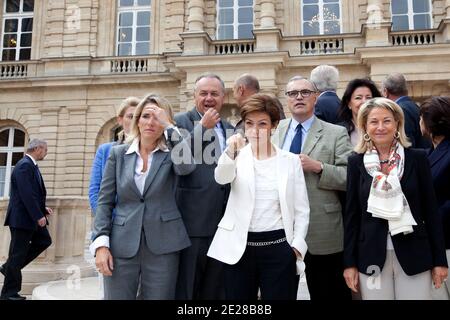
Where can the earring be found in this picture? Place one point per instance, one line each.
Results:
(366, 137)
(397, 135)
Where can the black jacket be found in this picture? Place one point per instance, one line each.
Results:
(365, 237)
(327, 106)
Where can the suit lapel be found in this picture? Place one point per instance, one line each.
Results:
(314, 134)
(282, 174)
(280, 134)
(157, 160)
(129, 167)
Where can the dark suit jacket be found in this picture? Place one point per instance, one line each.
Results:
(440, 169)
(412, 118)
(365, 237)
(327, 106)
(27, 201)
(201, 199)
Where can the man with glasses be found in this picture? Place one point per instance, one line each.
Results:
(323, 149)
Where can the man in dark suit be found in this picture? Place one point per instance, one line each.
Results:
(326, 78)
(395, 89)
(26, 218)
(199, 197)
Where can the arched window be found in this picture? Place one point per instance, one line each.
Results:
(411, 14)
(12, 148)
(234, 19)
(321, 17)
(133, 27)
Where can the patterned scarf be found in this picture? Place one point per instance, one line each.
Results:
(386, 198)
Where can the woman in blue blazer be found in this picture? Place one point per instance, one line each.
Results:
(435, 124)
(393, 239)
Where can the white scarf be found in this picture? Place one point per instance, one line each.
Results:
(386, 198)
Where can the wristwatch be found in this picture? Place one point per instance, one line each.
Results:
(321, 168)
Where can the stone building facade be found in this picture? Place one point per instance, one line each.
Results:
(65, 65)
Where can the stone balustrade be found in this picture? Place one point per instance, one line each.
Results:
(232, 47)
(413, 38)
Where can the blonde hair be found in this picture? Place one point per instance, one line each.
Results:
(363, 114)
(161, 103)
(124, 105)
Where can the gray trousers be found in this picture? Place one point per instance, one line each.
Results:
(157, 273)
(394, 284)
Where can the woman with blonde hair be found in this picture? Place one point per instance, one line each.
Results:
(146, 235)
(393, 239)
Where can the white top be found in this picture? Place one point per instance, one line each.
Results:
(267, 213)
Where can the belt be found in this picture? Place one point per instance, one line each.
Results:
(265, 243)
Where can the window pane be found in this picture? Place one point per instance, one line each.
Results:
(11, 25)
(331, 12)
(400, 23)
(310, 13)
(27, 25)
(10, 41)
(399, 6)
(225, 32)
(144, 2)
(245, 15)
(4, 135)
(126, 19)
(125, 34)
(311, 28)
(420, 6)
(12, 6)
(331, 27)
(126, 3)
(310, 1)
(225, 3)
(143, 34)
(125, 49)
(245, 3)
(28, 5)
(142, 48)
(143, 18)
(19, 138)
(3, 158)
(422, 21)
(226, 16)
(335, 1)
(16, 156)
(245, 31)
(25, 40)
(9, 55)
(25, 54)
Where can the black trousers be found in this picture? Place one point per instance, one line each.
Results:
(25, 246)
(270, 268)
(324, 275)
(199, 276)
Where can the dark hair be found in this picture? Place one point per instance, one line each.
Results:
(262, 103)
(435, 113)
(344, 113)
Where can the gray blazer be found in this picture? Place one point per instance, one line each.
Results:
(155, 212)
(329, 144)
(201, 199)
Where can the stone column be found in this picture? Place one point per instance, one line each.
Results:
(376, 28)
(267, 14)
(447, 8)
(196, 19)
(64, 259)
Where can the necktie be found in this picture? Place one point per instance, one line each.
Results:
(296, 145)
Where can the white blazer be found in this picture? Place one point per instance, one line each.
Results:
(230, 240)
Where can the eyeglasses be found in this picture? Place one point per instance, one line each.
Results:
(304, 93)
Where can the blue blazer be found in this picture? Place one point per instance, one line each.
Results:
(365, 237)
(27, 200)
(98, 166)
(440, 169)
(327, 106)
(412, 118)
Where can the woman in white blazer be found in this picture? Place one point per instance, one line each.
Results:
(261, 238)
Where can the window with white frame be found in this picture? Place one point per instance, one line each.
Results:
(234, 19)
(411, 14)
(133, 27)
(17, 30)
(321, 17)
(12, 148)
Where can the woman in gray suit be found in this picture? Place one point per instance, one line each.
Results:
(147, 232)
